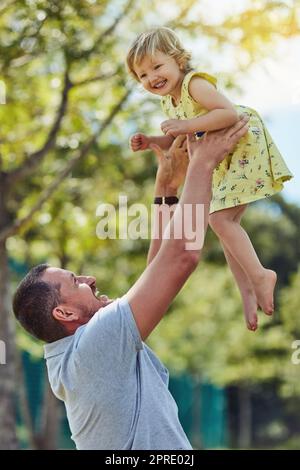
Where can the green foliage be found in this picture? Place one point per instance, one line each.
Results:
(289, 314)
(41, 39)
(206, 334)
(290, 306)
(42, 42)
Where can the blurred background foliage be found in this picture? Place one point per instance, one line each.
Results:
(70, 109)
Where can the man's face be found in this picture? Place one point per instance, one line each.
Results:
(78, 293)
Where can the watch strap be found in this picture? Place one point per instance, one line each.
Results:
(169, 200)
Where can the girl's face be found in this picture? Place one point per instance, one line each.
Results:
(160, 74)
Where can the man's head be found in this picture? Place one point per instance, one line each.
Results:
(51, 303)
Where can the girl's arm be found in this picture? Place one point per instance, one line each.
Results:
(221, 112)
(164, 141)
(143, 142)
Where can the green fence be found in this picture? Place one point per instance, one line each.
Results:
(202, 411)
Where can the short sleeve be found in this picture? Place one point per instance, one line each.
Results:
(195, 73)
(110, 339)
(205, 76)
(185, 85)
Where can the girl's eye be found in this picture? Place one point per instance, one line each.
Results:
(143, 76)
(157, 66)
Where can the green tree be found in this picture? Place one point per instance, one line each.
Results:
(50, 42)
(62, 63)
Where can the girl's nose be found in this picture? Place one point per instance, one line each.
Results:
(152, 79)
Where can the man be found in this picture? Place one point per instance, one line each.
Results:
(114, 388)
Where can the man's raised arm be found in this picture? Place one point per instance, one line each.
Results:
(175, 257)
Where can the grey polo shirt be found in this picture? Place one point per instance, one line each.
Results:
(114, 388)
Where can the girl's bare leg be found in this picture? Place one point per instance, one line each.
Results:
(237, 242)
(246, 290)
(243, 282)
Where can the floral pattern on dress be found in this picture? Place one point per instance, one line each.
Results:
(254, 170)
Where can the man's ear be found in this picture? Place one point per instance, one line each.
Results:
(62, 314)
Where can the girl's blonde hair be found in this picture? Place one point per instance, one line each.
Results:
(159, 39)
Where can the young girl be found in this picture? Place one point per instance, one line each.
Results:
(255, 170)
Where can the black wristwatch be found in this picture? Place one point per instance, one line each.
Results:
(169, 200)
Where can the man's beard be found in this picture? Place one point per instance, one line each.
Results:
(87, 312)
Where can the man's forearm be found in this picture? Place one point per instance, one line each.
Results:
(162, 215)
(196, 195)
(197, 190)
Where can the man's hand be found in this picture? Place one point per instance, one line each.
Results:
(172, 166)
(215, 145)
(175, 127)
(139, 142)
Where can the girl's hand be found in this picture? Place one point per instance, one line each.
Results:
(175, 127)
(139, 142)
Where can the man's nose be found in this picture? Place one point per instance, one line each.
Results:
(90, 280)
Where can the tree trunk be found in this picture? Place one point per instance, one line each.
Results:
(8, 438)
(245, 418)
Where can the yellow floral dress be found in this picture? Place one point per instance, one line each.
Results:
(254, 170)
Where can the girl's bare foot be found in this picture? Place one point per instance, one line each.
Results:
(250, 310)
(264, 290)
